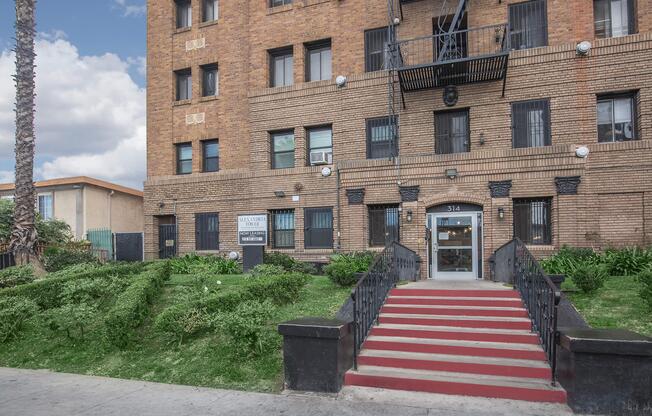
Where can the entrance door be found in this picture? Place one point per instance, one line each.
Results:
(454, 246)
(167, 237)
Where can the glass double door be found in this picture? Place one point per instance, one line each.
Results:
(454, 245)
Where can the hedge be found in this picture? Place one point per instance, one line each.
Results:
(46, 293)
(132, 306)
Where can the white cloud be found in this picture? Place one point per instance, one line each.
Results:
(6, 176)
(140, 62)
(90, 114)
(129, 9)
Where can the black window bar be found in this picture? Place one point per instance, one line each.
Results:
(452, 132)
(531, 124)
(282, 225)
(532, 220)
(318, 228)
(528, 24)
(207, 231)
(375, 43)
(383, 225)
(382, 137)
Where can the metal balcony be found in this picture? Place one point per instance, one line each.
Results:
(452, 58)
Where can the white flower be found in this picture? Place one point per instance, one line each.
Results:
(219, 282)
(205, 289)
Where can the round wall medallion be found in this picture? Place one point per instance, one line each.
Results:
(326, 171)
(450, 95)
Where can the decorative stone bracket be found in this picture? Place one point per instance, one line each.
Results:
(567, 185)
(355, 196)
(500, 189)
(409, 193)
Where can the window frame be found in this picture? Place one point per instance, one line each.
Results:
(280, 3)
(280, 53)
(393, 141)
(544, 24)
(317, 46)
(186, 73)
(307, 237)
(516, 117)
(179, 147)
(50, 197)
(310, 148)
(203, 240)
(547, 213)
(216, 11)
(632, 20)
(205, 158)
(369, 65)
(205, 69)
(188, 21)
(385, 210)
(633, 97)
(449, 114)
(273, 152)
(273, 213)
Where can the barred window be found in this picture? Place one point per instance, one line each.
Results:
(207, 226)
(318, 227)
(452, 132)
(383, 224)
(375, 41)
(528, 24)
(532, 220)
(382, 140)
(282, 222)
(531, 124)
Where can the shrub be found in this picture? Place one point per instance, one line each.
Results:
(16, 276)
(245, 326)
(645, 292)
(341, 274)
(131, 307)
(288, 263)
(589, 277)
(568, 259)
(281, 289)
(263, 270)
(193, 264)
(180, 321)
(343, 267)
(92, 291)
(59, 258)
(627, 261)
(14, 312)
(74, 319)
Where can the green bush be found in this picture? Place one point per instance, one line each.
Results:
(49, 231)
(263, 270)
(341, 274)
(589, 277)
(246, 326)
(281, 289)
(47, 292)
(288, 263)
(645, 279)
(14, 312)
(16, 276)
(73, 319)
(93, 291)
(568, 259)
(181, 321)
(131, 307)
(59, 258)
(194, 264)
(343, 267)
(627, 261)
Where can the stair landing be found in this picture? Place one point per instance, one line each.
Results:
(461, 338)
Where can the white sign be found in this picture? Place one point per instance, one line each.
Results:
(443, 236)
(252, 230)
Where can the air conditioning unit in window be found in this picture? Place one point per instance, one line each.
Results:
(318, 157)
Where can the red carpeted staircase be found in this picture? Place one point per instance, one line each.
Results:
(466, 342)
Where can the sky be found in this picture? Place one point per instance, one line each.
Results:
(90, 86)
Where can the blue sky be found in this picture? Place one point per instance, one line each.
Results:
(90, 80)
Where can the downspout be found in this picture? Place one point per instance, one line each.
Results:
(338, 246)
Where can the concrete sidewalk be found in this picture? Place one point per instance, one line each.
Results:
(36, 392)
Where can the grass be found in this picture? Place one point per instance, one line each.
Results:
(616, 305)
(206, 360)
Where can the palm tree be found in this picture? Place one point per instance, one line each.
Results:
(24, 238)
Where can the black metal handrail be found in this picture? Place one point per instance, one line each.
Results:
(541, 298)
(396, 262)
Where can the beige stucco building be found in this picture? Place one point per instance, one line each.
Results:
(87, 203)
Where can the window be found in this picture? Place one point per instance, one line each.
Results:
(211, 153)
(210, 10)
(452, 132)
(383, 224)
(318, 61)
(282, 149)
(281, 71)
(184, 13)
(320, 145)
(282, 222)
(614, 18)
(207, 231)
(45, 206)
(532, 220)
(375, 41)
(528, 23)
(531, 124)
(616, 118)
(184, 84)
(184, 158)
(318, 227)
(275, 3)
(382, 141)
(209, 80)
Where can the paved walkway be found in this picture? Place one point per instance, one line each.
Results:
(34, 393)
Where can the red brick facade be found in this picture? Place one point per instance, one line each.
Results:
(613, 205)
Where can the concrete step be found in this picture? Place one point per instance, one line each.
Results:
(476, 322)
(507, 293)
(525, 338)
(457, 301)
(450, 311)
(461, 329)
(480, 385)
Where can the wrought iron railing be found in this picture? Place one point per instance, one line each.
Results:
(540, 296)
(464, 44)
(396, 262)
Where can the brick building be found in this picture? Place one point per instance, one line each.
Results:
(458, 125)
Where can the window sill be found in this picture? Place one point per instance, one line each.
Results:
(181, 103)
(209, 98)
(280, 9)
(182, 30)
(209, 23)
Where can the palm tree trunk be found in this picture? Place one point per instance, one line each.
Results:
(23, 234)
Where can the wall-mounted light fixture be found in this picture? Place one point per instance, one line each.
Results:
(482, 139)
(279, 194)
(408, 216)
(501, 213)
(451, 173)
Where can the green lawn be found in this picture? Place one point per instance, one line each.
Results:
(616, 305)
(206, 360)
